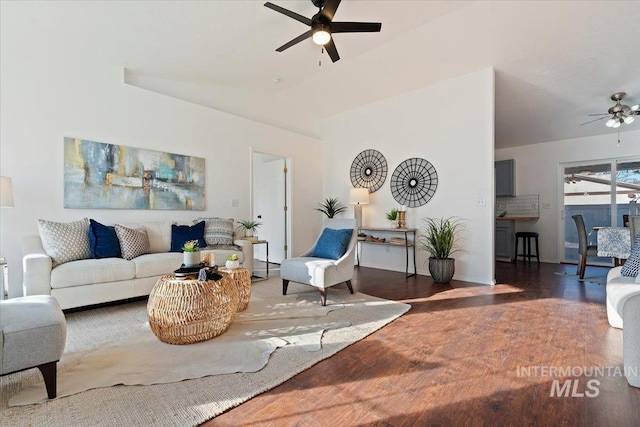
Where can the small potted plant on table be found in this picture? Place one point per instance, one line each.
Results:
(191, 253)
(232, 262)
(392, 216)
(248, 227)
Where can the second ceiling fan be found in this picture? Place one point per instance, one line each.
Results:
(322, 26)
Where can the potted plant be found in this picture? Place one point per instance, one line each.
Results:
(232, 262)
(191, 253)
(248, 226)
(392, 216)
(439, 237)
(331, 207)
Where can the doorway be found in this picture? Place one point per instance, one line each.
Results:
(270, 202)
(603, 192)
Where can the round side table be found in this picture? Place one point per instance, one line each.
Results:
(190, 311)
(242, 279)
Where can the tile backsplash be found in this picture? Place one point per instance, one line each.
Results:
(519, 205)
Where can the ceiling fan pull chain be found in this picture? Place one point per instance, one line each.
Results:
(618, 137)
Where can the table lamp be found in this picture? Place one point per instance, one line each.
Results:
(6, 192)
(6, 201)
(358, 197)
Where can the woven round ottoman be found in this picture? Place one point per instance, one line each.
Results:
(242, 279)
(190, 311)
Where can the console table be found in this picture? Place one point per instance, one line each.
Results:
(408, 243)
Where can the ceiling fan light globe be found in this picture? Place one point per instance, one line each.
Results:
(616, 125)
(628, 120)
(321, 37)
(635, 107)
(610, 123)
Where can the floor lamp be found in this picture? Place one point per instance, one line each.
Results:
(358, 197)
(6, 200)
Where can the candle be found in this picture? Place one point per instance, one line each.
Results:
(403, 208)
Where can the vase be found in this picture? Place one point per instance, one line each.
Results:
(191, 259)
(248, 232)
(442, 269)
(232, 265)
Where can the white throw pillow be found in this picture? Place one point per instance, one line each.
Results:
(65, 241)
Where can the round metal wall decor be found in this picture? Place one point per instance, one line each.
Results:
(414, 182)
(369, 170)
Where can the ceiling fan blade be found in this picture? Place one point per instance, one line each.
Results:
(330, 8)
(355, 27)
(600, 114)
(591, 121)
(295, 41)
(289, 13)
(332, 51)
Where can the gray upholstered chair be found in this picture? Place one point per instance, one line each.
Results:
(584, 249)
(322, 272)
(33, 334)
(631, 340)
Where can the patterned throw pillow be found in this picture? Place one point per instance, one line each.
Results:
(65, 241)
(631, 266)
(133, 243)
(217, 231)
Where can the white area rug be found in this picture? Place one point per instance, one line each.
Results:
(115, 346)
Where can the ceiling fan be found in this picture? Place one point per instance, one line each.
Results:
(322, 26)
(619, 113)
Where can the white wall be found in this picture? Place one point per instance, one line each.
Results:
(538, 172)
(47, 97)
(450, 124)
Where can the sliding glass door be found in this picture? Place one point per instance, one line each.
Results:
(601, 192)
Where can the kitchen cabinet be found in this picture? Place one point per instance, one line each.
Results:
(505, 178)
(505, 234)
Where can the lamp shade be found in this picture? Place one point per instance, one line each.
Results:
(359, 196)
(6, 192)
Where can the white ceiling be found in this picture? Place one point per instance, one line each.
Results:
(555, 61)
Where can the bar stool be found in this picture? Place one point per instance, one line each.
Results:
(526, 237)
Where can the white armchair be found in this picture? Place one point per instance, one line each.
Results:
(322, 272)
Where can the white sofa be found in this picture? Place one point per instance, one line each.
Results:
(619, 289)
(623, 309)
(94, 281)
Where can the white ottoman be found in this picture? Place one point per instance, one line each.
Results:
(33, 332)
(631, 340)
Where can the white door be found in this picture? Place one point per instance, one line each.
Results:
(269, 200)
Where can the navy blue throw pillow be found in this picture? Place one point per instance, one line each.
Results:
(180, 234)
(103, 240)
(332, 243)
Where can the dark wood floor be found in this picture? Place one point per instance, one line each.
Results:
(460, 356)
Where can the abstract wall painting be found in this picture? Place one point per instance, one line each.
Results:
(98, 175)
